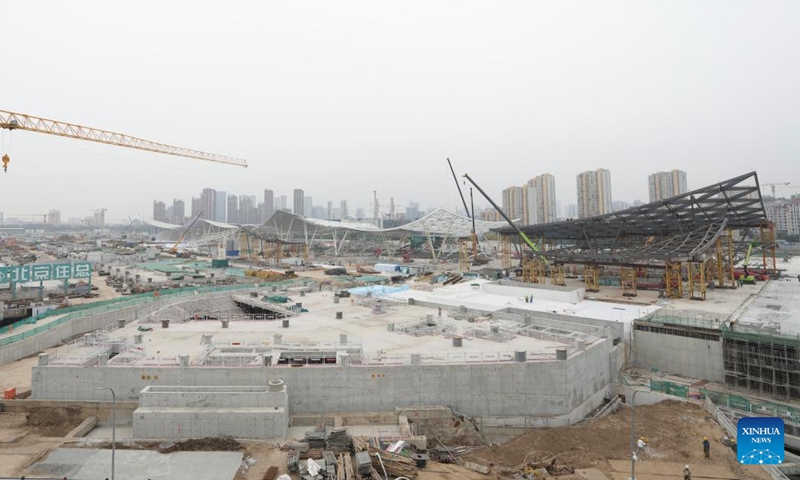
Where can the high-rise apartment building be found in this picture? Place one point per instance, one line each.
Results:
(343, 208)
(160, 211)
(514, 203)
(663, 185)
(544, 199)
(208, 203)
(785, 214)
(54, 218)
(298, 202)
(196, 207)
(248, 213)
(220, 206)
(308, 206)
(594, 193)
(178, 212)
(233, 209)
(269, 204)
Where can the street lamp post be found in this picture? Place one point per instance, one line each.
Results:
(633, 446)
(113, 426)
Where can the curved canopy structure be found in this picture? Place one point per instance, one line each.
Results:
(439, 232)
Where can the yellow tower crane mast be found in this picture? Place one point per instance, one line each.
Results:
(19, 121)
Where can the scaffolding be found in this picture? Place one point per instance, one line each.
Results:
(767, 364)
(557, 275)
(591, 275)
(768, 246)
(627, 278)
(673, 279)
(533, 271)
(463, 255)
(696, 276)
(723, 271)
(505, 252)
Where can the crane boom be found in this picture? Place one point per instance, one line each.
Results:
(18, 121)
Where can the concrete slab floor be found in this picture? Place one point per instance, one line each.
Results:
(89, 463)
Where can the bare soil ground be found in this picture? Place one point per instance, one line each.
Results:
(675, 431)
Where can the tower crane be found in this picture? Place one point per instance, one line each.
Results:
(773, 185)
(18, 121)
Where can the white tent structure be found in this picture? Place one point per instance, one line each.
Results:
(437, 234)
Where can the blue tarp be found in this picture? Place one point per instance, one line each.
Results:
(377, 290)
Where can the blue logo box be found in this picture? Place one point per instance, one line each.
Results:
(760, 440)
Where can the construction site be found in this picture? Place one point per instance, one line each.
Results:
(447, 347)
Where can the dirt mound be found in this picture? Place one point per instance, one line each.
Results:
(207, 445)
(675, 431)
(458, 431)
(54, 416)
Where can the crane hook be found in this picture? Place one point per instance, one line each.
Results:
(6, 160)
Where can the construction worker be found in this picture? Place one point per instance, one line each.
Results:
(687, 473)
(642, 445)
(706, 448)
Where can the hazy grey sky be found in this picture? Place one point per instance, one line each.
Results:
(343, 98)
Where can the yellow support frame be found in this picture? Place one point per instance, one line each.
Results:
(557, 275)
(722, 267)
(696, 274)
(768, 245)
(505, 252)
(673, 278)
(627, 278)
(591, 277)
(463, 255)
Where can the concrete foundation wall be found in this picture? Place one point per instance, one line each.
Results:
(691, 357)
(616, 329)
(202, 422)
(211, 397)
(540, 292)
(533, 389)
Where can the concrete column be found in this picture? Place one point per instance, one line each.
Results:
(390, 327)
(164, 323)
(457, 341)
(137, 339)
(344, 360)
(335, 299)
(339, 315)
(225, 323)
(183, 360)
(285, 323)
(44, 359)
(302, 293)
(102, 359)
(121, 323)
(561, 353)
(520, 356)
(277, 339)
(415, 359)
(412, 301)
(343, 338)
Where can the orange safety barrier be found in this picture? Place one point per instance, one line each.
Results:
(10, 394)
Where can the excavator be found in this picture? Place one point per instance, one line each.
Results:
(174, 249)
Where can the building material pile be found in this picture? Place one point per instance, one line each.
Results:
(337, 439)
(395, 465)
(316, 438)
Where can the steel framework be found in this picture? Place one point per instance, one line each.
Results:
(679, 229)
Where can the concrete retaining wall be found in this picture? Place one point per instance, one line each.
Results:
(203, 422)
(691, 357)
(553, 293)
(533, 389)
(78, 326)
(195, 412)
